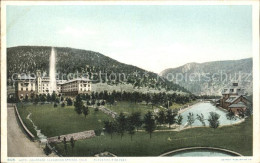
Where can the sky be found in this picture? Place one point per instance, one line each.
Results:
(151, 37)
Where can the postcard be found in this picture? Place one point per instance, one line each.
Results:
(128, 81)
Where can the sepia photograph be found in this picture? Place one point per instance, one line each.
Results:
(129, 81)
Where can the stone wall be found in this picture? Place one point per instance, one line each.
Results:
(29, 134)
(76, 136)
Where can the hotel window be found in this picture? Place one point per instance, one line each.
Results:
(231, 90)
(21, 89)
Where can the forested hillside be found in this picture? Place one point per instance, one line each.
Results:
(24, 59)
(212, 77)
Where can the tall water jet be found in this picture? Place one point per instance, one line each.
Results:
(52, 71)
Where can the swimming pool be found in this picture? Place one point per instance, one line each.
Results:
(201, 152)
(205, 109)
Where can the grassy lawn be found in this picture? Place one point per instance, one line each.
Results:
(24, 113)
(237, 138)
(130, 107)
(177, 106)
(58, 121)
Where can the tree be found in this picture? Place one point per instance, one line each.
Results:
(53, 96)
(85, 111)
(43, 98)
(121, 124)
(47, 150)
(249, 109)
(111, 99)
(55, 105)
(170, 117)
(61, 98)
(241, 113)
(65, 144)
(36, 99)
(213, 120)
(147, 98)
(137, 119)
(201, 119)
(72, 142)
(78, 104)
(109, 127)
(93, 102)
(231, 116)
(191, 119)
(69, 101)
(32, 96)
(131, 125)
(179, 119)
(48, 97)
(103, 102)
(98, 103)
(63, 105)
(149, 123)
(161, 117)
(26, 99)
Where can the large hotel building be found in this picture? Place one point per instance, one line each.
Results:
(41, 85)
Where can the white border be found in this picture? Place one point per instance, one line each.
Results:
(256, 80)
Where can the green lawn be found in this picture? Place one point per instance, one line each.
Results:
(130, 107)
(58, 121)
(237, 138)
(177, 106)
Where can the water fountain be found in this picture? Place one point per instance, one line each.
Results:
(52, 71)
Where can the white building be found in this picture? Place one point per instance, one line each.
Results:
(41, 85)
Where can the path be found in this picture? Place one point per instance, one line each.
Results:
(18, 145)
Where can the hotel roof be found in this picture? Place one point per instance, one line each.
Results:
(76, 79)
(238, 105)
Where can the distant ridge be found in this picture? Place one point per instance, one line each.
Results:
(229, 67)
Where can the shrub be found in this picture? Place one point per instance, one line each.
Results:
(98, 132)
(47, 150)
(55, 105)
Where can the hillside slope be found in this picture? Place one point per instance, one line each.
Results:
(25, 59)
(212, 77)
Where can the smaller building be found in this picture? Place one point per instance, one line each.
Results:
(233, 98)
(235, 108)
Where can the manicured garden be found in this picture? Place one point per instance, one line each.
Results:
(55, 121)
(237, 138)
(130, 107)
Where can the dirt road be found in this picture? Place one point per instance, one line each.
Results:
(18, 145)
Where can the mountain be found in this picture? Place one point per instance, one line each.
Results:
(25, 59)
(212, 77)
